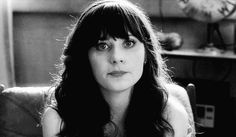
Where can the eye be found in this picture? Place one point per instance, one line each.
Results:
(129, 43)
(102, 46)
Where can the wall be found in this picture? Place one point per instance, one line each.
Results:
(6, 60)
(169, 7)
(38, 41)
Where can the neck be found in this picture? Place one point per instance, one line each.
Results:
(118, 102)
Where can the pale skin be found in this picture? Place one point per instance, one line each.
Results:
(117, 65)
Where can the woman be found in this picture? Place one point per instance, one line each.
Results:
(113, 81)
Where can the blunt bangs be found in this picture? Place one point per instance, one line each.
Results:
(110, 19)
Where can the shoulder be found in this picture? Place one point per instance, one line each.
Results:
(179, 94)
(178, 110)
(51, 122)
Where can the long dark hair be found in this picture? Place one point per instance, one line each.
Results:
(79, 102)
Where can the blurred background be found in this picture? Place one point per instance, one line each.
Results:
(32, 34)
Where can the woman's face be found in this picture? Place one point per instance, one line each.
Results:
(117, 64)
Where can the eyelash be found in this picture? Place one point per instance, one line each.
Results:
(100, 45)
(130, 41)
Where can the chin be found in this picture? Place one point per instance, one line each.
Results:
(119, 87)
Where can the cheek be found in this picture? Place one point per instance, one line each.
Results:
(138, 58)
(137, 61)
(139, 65)
(98, 65)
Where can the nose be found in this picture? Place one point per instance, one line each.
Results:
(117, 56)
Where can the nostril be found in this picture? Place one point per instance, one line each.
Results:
(114, 62)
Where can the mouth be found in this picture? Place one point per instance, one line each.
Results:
(117, 73)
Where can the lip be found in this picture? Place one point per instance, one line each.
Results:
(117, 73)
